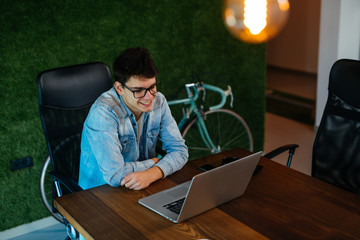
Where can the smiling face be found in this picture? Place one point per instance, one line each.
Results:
(137, 105)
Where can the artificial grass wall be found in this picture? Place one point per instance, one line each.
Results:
(186, 38)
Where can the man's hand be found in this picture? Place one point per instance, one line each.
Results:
(141, 180)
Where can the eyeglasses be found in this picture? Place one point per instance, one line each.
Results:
(141, 92)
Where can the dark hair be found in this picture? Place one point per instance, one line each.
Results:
(134, 62)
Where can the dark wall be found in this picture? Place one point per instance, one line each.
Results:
(186, 38)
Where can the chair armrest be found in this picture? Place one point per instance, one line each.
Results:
(290, 147)
(69, 183)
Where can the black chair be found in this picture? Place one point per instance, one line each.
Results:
(336, 150)
(65, 97)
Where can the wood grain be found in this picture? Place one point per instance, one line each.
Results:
(280, 203)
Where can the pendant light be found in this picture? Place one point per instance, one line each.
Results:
(255, 21)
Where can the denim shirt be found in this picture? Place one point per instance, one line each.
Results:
(109, 143)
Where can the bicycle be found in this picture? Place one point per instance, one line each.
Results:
(214, 130)
(205, 132)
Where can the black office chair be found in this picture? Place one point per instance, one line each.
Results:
(65, 97)
(336, 150)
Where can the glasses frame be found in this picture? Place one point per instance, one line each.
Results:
(156, 84)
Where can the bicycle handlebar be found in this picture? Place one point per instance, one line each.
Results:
(202, 86)
(223, 93)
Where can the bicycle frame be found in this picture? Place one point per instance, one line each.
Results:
(193, 109)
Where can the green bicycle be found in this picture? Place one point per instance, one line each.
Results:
(214, 130)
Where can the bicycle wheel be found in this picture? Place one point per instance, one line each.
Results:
(46, 189)
(226, 129)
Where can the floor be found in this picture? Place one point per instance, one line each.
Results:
(279, 131)
(43, 229)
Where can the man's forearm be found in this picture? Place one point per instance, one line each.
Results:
(155, 173)
(141, 180)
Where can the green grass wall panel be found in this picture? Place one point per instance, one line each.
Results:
(186, 38)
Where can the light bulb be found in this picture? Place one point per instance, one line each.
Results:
(255, 21)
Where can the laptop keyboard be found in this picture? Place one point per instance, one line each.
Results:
(175, 206)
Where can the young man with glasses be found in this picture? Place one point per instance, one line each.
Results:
(123, 126)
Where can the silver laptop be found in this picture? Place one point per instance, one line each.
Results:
(205, 191)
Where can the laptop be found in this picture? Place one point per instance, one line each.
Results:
(205, 191)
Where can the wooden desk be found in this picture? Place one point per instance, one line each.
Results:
(280, 203)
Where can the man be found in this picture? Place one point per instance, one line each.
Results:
(123, 126)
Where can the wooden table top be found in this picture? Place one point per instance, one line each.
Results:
(279, 203)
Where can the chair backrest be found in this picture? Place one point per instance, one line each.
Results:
(336, 151)
(65, 97)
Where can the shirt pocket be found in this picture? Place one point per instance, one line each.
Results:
(152, 137)
(127, 143)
